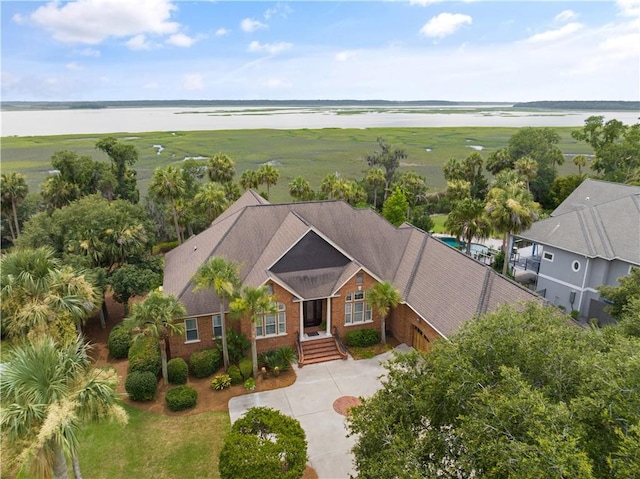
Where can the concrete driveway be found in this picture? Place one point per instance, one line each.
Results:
(310, 400)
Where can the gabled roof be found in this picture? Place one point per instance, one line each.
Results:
(598, 220)
(443, 286)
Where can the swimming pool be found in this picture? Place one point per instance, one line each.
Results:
(476, 248)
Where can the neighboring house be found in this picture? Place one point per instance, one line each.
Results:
(591, 239)
(320, 259)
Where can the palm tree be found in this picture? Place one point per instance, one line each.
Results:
(268, 175)
(527, 168)
(41, 296)
(328, 185)
(375, 179)
(49, 391)
(382, 297)
(511, 210)
(580, 161)
(252, 303)
(168, 184)
(211, 200)
(249, 179)
(222, 276)
(221, 168)
(14, 189)
(468, 220)
(300, 189)
(155, 317)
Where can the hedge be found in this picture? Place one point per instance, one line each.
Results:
(141, 385)
(362, 337)
(178, 371)
(205, 362)
(264, 443)
(119, 341)
(234, 373)
(246, 368)
(181, 398)
(144, 355)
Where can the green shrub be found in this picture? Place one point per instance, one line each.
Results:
(234, 373)
(246, 454)
(246, 368)
(119, 342)
(165, 247)
(205, 362)
(141, 385)
(362, 337)
(575, 314)
(250, 384)
(178, 371)
(144, 355)
(237, 345)
(220, 382)
(181, 398)
(281, 358)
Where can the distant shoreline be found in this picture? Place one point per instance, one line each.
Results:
(97, 105)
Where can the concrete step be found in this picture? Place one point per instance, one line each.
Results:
(321, 359)
(320, 350)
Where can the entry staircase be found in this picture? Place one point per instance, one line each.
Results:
(319, 351)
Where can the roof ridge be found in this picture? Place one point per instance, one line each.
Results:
(602, 233)
(585, 232)
(416, 264)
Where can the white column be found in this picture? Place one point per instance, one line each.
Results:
(329, 315)
(301, 320)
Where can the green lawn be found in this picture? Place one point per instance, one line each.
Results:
(438, 223)
(311, 153)
(155, 446)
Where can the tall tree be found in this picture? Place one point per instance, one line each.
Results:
(388, 158)
(375, 178)
(268, 175)
(527, 168)
(168, 184)
(155, 317)
(211, 201)
(511, 210)
(41, 296)
(499, 160)
(382, 297)
(469, 170)
(328, 184)
(249, 179)
(395, 207)
(414, 187)
(618, 297)
(223, 277)
(49, 392)
(517, 393)
(221, 168)
(468, 220)
(580, 161)
(14, 189)
(130, 280)
(251, 304)
(122, 157)
(300, 189)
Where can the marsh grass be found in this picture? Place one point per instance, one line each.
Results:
(312, 153)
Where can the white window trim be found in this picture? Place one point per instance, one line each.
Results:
(213, 325)
(573, 268)
(191, 341)
(544, 256)
(280, 311)
(366, 309)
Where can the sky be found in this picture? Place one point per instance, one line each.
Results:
(391, 50)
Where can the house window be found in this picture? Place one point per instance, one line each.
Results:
(217, 326)
(547, 256)
(191, 329)
(269, 288)
(356, 309)
(575, 266)
(272, 324)
(359, 278)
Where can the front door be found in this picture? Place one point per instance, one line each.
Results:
(313, 313)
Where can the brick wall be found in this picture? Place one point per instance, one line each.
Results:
(337, 306)
(402, 322)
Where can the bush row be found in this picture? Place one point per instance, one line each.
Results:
(144, 355)
(362, 337)
(119, 341)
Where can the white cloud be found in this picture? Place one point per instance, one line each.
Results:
(557, 34)
(74, 66)
(250, 25)
(19, 19)
(180, 40)
(270, 48)
(345, 56)
(621, 46)
(139, 42)
(424, 3)
(221, 32)
(277, 83)
(565, 16)
(91, 22)
(281, 9)
(445, 24)
(630, 8)
(193, 82)
(89, 52)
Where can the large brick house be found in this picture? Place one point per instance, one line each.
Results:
(320, 259)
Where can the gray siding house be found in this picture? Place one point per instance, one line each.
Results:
(591, 239)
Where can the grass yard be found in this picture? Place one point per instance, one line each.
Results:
(153, 445)
(310, 153)
(438, 223)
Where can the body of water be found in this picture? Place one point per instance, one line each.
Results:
(137, 120)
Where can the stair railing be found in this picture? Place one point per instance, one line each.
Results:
(342, 349)
(299, 350)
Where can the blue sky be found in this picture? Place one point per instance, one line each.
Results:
(393, 50)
